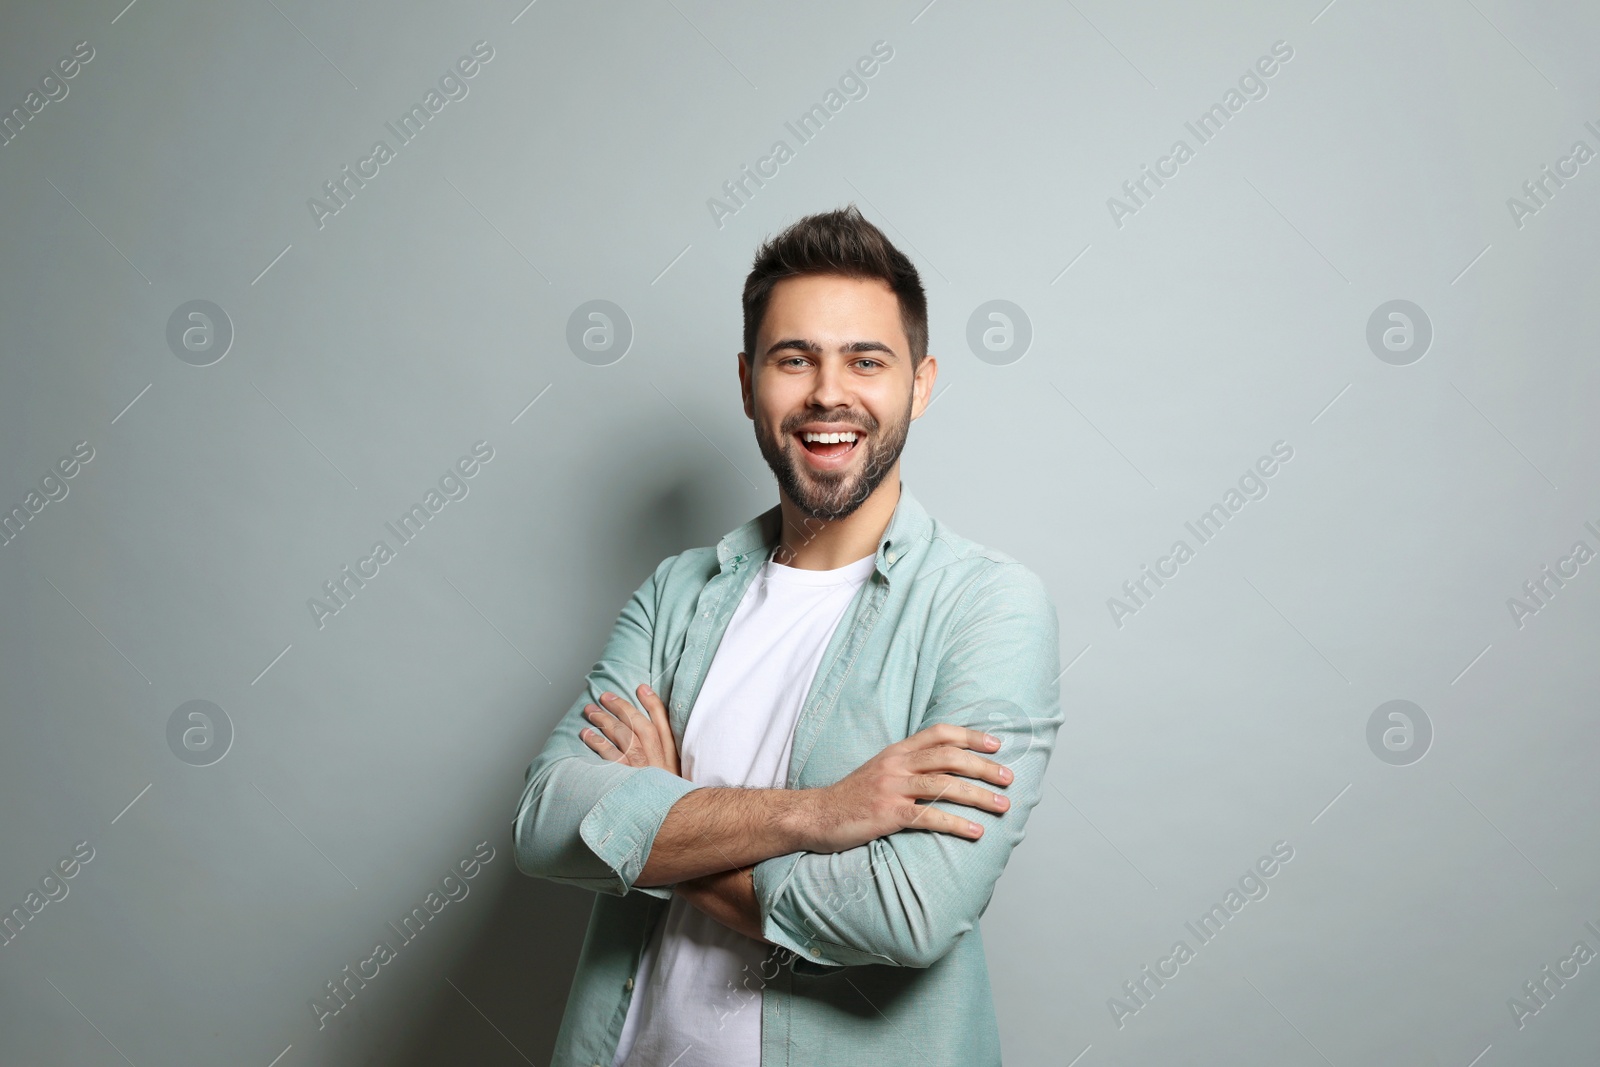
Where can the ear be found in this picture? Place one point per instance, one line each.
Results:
(747, 387)
(922, 385)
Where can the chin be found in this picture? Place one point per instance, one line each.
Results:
(829, 496)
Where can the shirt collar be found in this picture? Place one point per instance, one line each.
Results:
(908, 525)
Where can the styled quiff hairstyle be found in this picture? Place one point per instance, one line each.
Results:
(836, 242)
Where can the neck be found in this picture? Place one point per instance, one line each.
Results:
(815, 545)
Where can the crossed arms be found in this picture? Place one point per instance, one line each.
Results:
(712, 837)
(860, 871)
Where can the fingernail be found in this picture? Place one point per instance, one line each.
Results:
(991, 739)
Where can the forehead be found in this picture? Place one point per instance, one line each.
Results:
(829, 307)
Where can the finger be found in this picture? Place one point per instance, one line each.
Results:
(949, 733)
(663, 722)
(934, 787)
(931, 818)
(638, 725)
(960, 761)
(596, 741)
(653, 705)
(614, 729)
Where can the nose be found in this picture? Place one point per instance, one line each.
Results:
(830, 386)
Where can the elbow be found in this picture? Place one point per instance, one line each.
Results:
(540, 857)
(547, 836)
(917, 940)
(918, 953)
(884, 919)
(536, 844)
(931, 935)
(925, 952)
(531, 858)
(924, 932)
(923, 960)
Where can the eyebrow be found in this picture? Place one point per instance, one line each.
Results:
(813, 348)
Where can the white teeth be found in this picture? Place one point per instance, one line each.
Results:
(829, 438)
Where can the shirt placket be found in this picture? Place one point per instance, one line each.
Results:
(834, 668)
(713, 610)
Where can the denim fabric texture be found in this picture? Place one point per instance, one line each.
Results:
(878, 956)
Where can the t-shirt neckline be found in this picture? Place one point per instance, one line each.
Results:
(850, 572)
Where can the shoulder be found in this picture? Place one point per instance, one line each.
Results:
(986, 574)
(688, 570)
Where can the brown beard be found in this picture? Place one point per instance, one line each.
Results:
(829, 496)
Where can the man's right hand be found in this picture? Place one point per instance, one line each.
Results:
(880, 797)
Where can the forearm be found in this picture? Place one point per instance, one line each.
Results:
(715, 829)
(728, 897)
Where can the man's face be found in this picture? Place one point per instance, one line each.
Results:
(832, 357)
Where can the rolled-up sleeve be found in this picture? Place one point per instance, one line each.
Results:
(584, 820)
(907, 898)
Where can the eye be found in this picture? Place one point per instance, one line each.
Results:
(874, 362)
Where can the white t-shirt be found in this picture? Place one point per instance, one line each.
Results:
(697, 1001)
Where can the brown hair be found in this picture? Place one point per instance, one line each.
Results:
(836, 242)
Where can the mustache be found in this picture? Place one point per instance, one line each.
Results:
(866, 422)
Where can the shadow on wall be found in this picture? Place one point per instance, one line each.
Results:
(678, 514)
(519, 969)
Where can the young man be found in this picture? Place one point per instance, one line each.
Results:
(841, 717)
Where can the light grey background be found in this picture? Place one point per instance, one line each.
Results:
(1168, 353)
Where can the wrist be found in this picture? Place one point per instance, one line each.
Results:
(797, 819)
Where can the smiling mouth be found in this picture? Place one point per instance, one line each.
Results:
(828, 450)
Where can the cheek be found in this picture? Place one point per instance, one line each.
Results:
(887, 411)
(770, 426)
(777, 400)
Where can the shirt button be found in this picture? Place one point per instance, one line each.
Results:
(816, 952)
(630, 984)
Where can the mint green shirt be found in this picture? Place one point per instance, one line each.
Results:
(877, 956)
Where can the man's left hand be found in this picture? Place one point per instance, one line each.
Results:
(621, 732)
